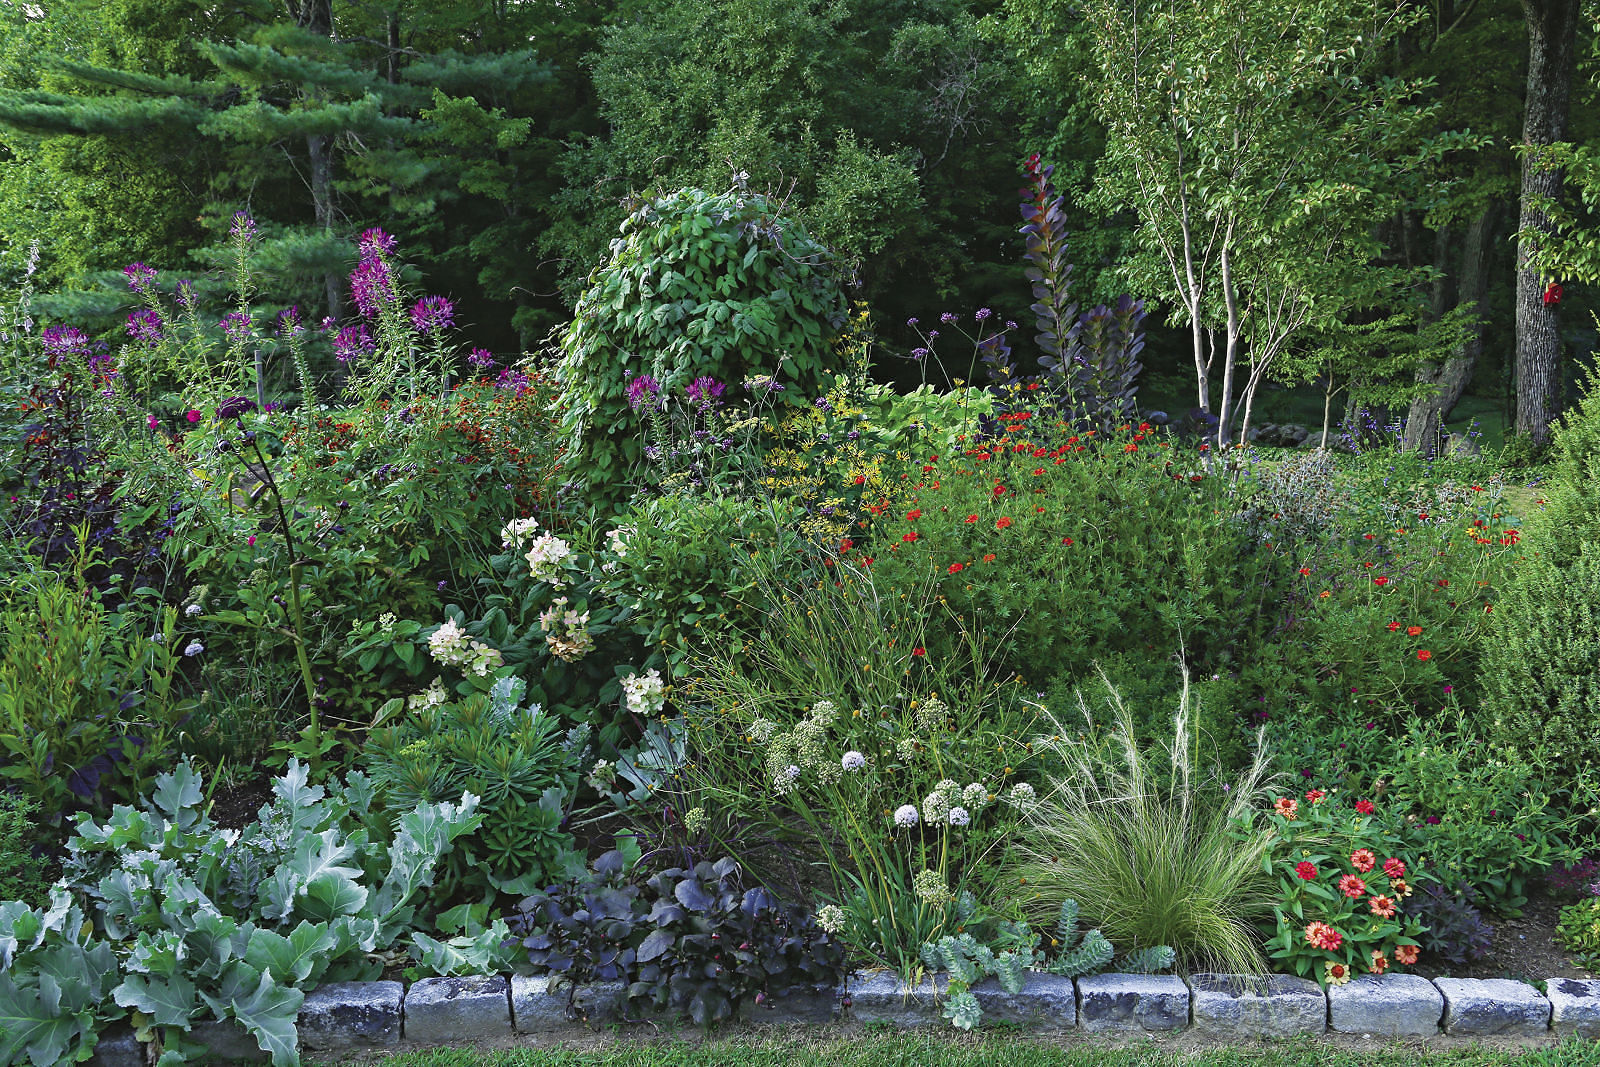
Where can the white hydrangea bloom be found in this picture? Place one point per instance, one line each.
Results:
(644, 694)
(546, 557)
(517, 532)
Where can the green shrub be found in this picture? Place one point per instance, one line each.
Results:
(22, 873)
(1541, 688)
(512, 758)
(699, 285)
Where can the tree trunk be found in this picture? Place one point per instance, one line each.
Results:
(1450, 379)
(1552, 41)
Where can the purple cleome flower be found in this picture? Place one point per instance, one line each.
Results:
(236, 324)
(139, 277)
(289, 324)
(243, 227)
(65, 341)
(375, 242)
(145, 326)
(481, 358)
(641, 391)
(186, 297)
(370, 285)
(433, 314)
(234, 407)
(352, 341)
(704, 392)
(511, 378)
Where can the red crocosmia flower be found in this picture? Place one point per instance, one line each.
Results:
(971, 518)
(1443, 583)
(1306, 870)
(1365, 807)
(846, 545)
(988, 557)
(1002, 522)
(1130, 447)
(1038, 470)
(1424, 655)
(955, 567)
(1066, 540)
(919, 651)
(913, 516)
(1413, 631)
(1393, 626)
(1369, 536)
(1380, 580)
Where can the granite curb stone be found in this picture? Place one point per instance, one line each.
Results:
(445, 1011)
(1574, 1006)
(349, 1016)
(1047, 1002)
(1389, 1005)
(881, 997)
(1482, 1006)
(1278, 1005)
(1124, 1002)
(797, 1004)
(227, 1039)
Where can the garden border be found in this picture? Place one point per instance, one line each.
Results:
(384, 1016)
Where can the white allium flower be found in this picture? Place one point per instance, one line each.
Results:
(761, 731)
(905, 815)
(959, 817)
(194, 648)
(830, 917)
(791, 772)
(853, 761)
(975, 795)
(192, 610)
(824, 711)
(934, 808)
(1022, 793)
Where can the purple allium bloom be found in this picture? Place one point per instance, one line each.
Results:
(65, 341)
(234, 406)
(704, 391)
(481, 358)
(186, 294)
(433, 314)
(243, 227)
(352, 341)
(236, 324)
(982, 314)
(641, 391)
(289, 324)
(370, 285)
(375, 242)
(139, 276)
(145, 325)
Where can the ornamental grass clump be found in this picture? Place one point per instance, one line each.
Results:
(1155, 850)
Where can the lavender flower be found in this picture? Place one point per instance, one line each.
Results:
(433, 314)
(139, 276)
(352, 341)
(145, 325)
(948, 318)
(982, 314)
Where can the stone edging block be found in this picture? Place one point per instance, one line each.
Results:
(1048, 1002)
(1278, 1005)
(457, 1011)
(1483, 1006)
(1388, 1005)
(880, 997)
(118, 1047)
(1575, 1006)
(1122, 1002)
(350, 1016)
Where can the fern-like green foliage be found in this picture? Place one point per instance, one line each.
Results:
(1541, 688)
(1147, 960)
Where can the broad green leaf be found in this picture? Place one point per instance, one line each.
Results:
(169, 1001)
(269, 1014)
(289, 960)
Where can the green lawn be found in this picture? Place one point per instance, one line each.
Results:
(948, 1049)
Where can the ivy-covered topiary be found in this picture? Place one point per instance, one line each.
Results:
(1541, 689)
(719, 286)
